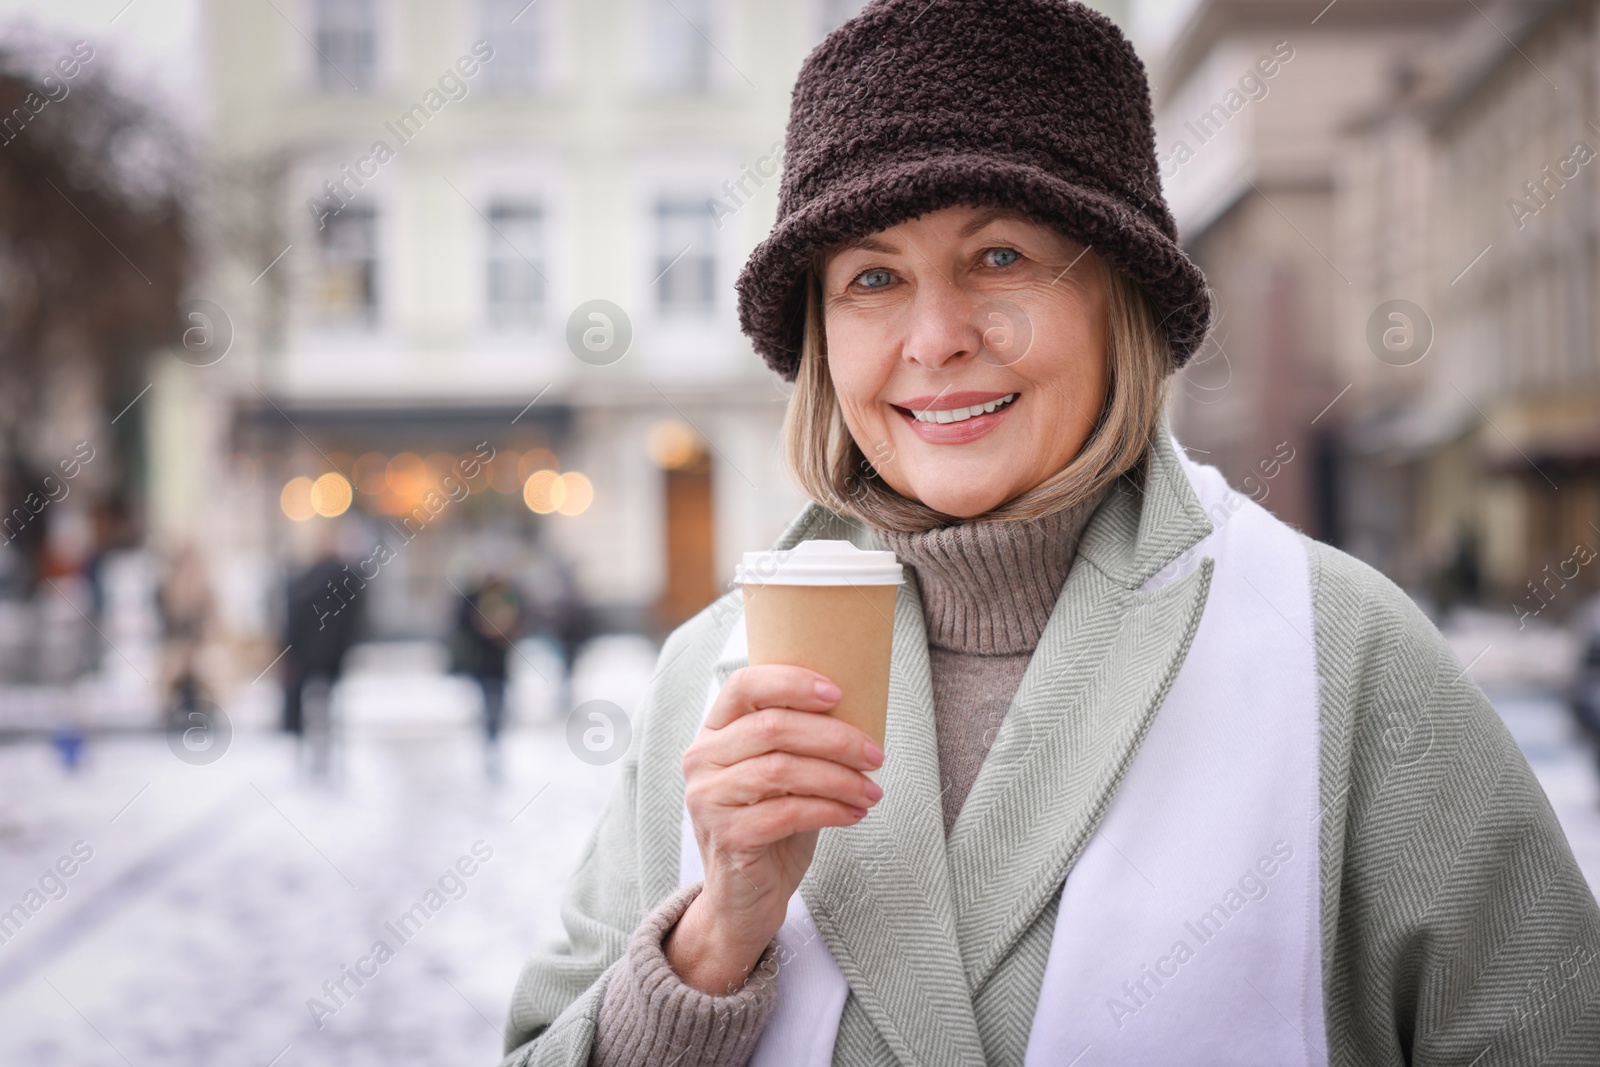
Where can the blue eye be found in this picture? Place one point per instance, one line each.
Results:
(876, 278)
(1003, 257)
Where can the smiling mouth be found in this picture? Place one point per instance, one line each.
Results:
(961, 414)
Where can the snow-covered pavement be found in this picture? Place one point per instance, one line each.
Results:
(218, 900)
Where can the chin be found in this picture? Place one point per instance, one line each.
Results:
(961, 504)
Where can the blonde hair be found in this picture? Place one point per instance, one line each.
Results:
(833, 471)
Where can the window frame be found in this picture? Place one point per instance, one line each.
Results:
(502, 250)
(333, 78)
(672, 264)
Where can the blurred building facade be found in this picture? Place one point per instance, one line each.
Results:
(1393, 204)
(416, 206)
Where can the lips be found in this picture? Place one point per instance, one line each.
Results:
(954, 418)
(961, 414)
(948, 399)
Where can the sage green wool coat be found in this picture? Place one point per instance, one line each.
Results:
(1456, 926)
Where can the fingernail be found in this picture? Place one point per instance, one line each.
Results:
(858, 812)
(873, 753)
(828, 691)
(874, 790)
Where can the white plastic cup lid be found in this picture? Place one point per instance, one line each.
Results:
(820, 563)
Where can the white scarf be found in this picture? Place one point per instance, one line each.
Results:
(1189, 927)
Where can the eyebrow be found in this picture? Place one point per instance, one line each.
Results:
(871, 243)
(868, 243)
(983, 218)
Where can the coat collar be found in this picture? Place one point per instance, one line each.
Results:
(916, 922)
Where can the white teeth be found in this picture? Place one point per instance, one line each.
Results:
(962, 414)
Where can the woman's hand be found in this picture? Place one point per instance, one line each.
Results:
(766, 772)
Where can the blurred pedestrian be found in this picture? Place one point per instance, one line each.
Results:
(323, 621)
(561, 614)
(115, 531)
(186, 607)
(69, 740)
(1459, 580)
(491, 618)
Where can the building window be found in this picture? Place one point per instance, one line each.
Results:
(347, 284)
(346, 41)
(515, 29)
(680, 45)
(516, 276)
(685, 259)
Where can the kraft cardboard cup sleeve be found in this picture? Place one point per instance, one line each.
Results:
(827, 606)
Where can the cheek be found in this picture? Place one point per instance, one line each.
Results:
(1069, 381)
(1079, 394)
(859, 376)
(863, 416)
(1076, 361)
(1082, 386)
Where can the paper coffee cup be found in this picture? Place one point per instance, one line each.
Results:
(827, 606)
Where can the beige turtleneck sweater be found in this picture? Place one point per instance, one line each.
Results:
(987, 591)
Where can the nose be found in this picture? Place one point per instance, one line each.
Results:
(941, 327)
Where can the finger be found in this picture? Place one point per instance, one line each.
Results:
(785, 730)
(778, 774)
(773, 820)
(771, 686)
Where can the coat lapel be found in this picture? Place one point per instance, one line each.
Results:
(1102, 668)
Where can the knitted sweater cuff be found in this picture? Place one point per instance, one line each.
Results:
(650, 1016)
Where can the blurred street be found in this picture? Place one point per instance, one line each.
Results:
(220, 898)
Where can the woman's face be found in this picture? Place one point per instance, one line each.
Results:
(967, 348)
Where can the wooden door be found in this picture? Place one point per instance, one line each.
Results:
(691, 571)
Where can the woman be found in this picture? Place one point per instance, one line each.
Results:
(1166, 782)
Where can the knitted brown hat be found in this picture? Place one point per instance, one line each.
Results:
(1040, 106)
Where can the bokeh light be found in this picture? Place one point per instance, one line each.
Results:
(535, 459)
(503, 474)
(474, 471)
(575, 495)
(543, 492)
(405, 479)
(407, 474)
(546, 491)
(296, 499)
(330, 495)
(370, 471)
(441, 465)
(672, 444)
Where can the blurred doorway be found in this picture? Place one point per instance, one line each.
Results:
(691, 571)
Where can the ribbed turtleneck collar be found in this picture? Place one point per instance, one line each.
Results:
(989, 587)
